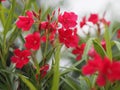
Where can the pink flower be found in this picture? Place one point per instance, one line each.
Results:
(79, 51)
(20, 58)
(33, 41)
(93, 18)
(25, 22)
(68, 19)
(68, 37)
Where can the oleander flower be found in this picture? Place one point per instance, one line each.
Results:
(68, 19)
(83, 22)
(93, 18)
(25, 22)
(105, 69)
(51, 36)
(50, 26)
(33, 41)
(92, 26)
(20, 58)
(43, 71)
(68, 37)
(118, 33)
(79, 51)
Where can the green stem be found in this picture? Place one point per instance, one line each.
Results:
(56, 76)
(46, 46)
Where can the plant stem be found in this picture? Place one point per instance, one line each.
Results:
(56, 76)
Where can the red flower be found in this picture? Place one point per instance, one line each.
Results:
(79, 51)
(68, 19)
(103, 43)
(93, 18)
(101, 81)
(83, 22)
(33, 41)
(51, 36)
(2, 0)
(102, 66)
(25, 22)
(50, 29)
(115, 71)
(68, 37)
(92, 52)
(48, 26)
(118, 33)
(43, 71)
(105, 21)
(106, 69)
(20, 58)
(43, 25)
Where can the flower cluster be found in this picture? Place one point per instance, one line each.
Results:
(105, 69)
(68, 32)
(93, 25)
(65, 30)
(32, 43)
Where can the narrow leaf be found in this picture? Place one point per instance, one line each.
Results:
(117, 44)
(27, 82)
(108, 43)
(87, 48)
(99, 48)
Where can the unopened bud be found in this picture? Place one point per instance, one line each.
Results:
(48, 17)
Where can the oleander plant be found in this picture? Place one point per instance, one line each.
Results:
(35, 42)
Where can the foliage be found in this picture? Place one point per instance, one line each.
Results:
(34, 41)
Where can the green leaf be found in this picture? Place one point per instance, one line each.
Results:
(27, 82)
(113, 28)
(68, 83)
(99, 48)
(9, 18)
(117, 44)
(45, 13)
(49, 54)
(87, 48)
(108, 43)
(83, 84)
(2, 17)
